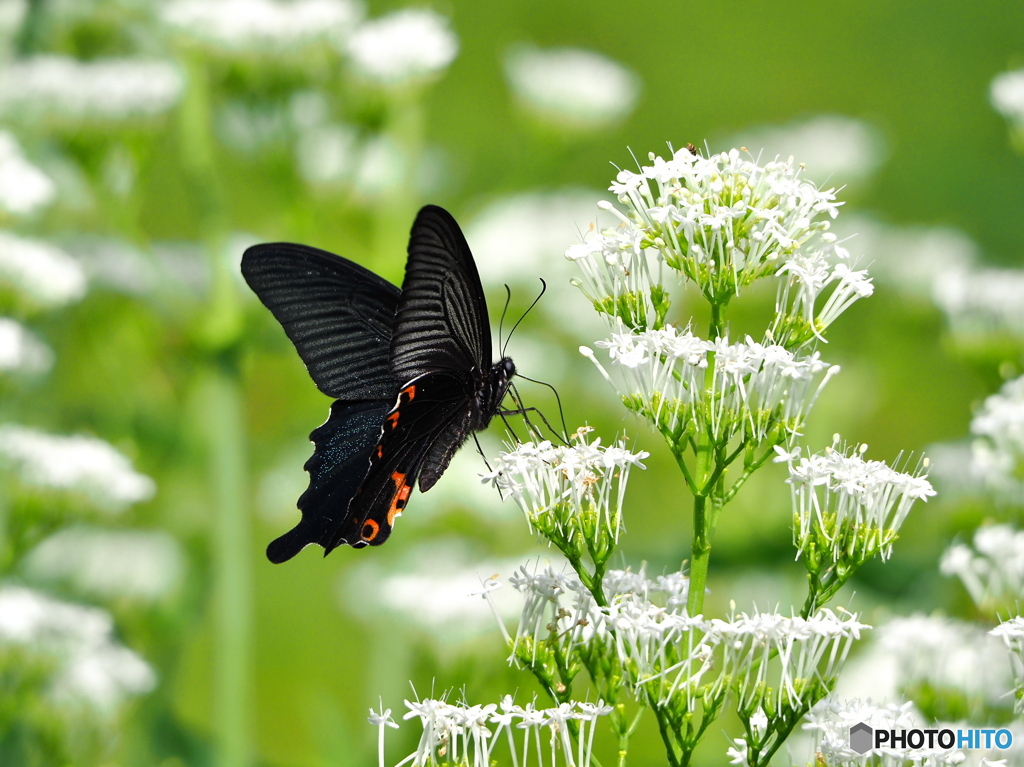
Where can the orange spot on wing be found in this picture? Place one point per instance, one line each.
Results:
(410, 392)
(370, 530)
(380, 451)
(402, 490)
(392, 419)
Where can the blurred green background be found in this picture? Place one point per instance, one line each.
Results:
(169, 358)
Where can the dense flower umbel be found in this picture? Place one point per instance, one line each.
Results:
(752, 389)
(1012, 634)
(467, 735)
(847, 509)
(723, 222)
(571, 494)
(993, 570)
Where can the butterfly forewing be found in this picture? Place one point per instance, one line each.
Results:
(338, 315)
(441, 322)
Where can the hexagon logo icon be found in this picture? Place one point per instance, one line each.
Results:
(861, 737)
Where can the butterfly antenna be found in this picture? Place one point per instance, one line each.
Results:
(561, 412)
(501, 322)
(543, 290)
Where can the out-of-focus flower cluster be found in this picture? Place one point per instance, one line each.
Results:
(992, 569)
(1012, 634)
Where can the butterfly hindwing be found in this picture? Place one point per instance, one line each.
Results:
(338, 315)
(341, 458)
(429, 409)
(441, 323)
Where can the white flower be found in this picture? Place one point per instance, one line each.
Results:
(836, 147)
(328, 153)
(40, 270)
(139, 564)
(1007, 95)
(90, 665)
(1012, 634)
(103, 89)
(572, 87)
(21, 351)
(993, 572)
(948, 654)
(849, 507)
(262, 25)
(23, 187)
(402, 46)
(557, 486)
(79, 463)
(981, 302)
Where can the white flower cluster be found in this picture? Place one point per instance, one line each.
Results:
(63, 88)
(262, 25)
(41, 271)
(847, 506)
(404, 45)
(558, 483)
(668, 654)
(950, 656)
(981, 302)
(1007, 96)
(830, 723)
(464, 734)
(138, 564)
(993, 570)
(21, 351)
(83, 464)
(1012, 634)
(997, 453)
(24, 188)
(723, 221)
(571, 87)
(751, 387)
(90, 666)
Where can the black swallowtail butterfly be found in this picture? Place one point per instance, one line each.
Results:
(409, 369)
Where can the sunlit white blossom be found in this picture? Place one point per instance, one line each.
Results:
(24, 188)
(79, 463)
(63, 88)
(981, 302)
(570, 86)
(21, 351)
(139, 564)
(950, 656)
(750, 389)
(992, 570)
(402, 46)
(997, 452)
(1007, 95)
(89, 665)
(846, 506)
(262, 25)
(829, 722)
(1011, 632)
(558, 487)
(835, 147)
(40, 270)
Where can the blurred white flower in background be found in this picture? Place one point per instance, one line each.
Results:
(834, 148)
(40, 270)
(911, 258)
(79, 463)
(1006, 93)
(981, 302)
(328, 154)
(21, 351)
(114, 263)
(140, 564)
(572, 87)
(521, 237)
(259, 25)
(89, 664)
(402, 46)
(24, 188)
(12, 14)
(63, 88)
(437, 585)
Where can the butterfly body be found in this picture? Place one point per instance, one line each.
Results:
(410, 370)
